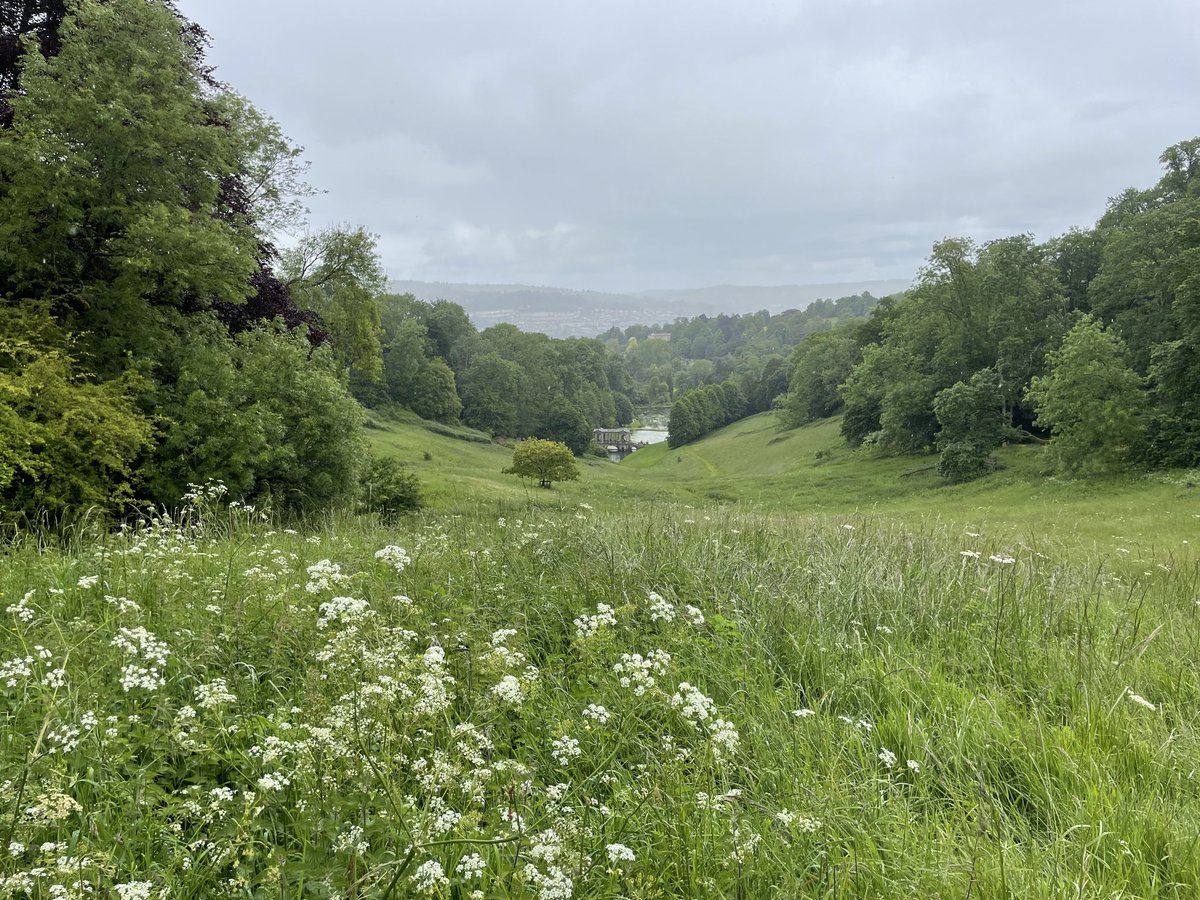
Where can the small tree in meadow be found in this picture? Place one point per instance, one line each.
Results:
(547, 461)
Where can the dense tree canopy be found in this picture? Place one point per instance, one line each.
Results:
(989, 344)
(136, 202)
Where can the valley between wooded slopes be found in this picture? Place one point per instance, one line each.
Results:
(742, 668)
(905, 605)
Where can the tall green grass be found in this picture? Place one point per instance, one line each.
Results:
(855, 707)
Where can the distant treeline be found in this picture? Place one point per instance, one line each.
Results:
(1091, 339)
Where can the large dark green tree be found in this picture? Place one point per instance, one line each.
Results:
(136, 200)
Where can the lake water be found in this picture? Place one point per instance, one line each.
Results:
(647, 436)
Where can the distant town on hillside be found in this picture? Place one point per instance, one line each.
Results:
(560, 312)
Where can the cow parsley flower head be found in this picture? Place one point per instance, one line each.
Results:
(565, 749)
(428, 877)
(273, 781)
(342, 611)
(554, 885)
(587, 626)
(693, 704)
(619, 853)
(637, 672)
(660, 608)
(471, 866)
(724, 738)
(325, 575)
(887, 757)
(597, 713)
(21, 608)
(215, 693)
(134, 890)
(508, 690)
(396, 557)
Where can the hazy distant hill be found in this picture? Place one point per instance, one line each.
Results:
(560, 312)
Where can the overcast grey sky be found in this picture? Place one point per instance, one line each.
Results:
(620, 145)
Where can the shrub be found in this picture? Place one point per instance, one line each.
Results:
(965, 461)
(389, 488)
(66, 443)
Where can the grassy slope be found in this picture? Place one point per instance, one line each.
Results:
(810, 471)
(916, 713)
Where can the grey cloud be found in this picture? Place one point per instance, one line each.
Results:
(627, 145)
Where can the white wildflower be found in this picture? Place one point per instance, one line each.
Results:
(660, 608)
(508, 690)
(693, 704)
(396, 557)
(619, 853)
(693, 615)
(637, 672)
(596, 713)
(887, 757)
(501, 635)
(471, 866)
(554, 885)
(565, 749)
(351, 840)
(325, 575)
(21, 609)
(724, 738)
(134, 890)
(342, 611)
(214, 694)
(428, 877)
(273, 781)
(587, 626)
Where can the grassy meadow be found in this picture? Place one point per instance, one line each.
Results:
(753, 667)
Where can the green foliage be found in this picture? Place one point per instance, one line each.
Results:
(433, 392)
(337, 274)
(964, 461)
(885, 368)
(389, 488)
(543, 461)
(624, 409)
(490, 392)
(292, 715)
(700, 410)
(1090, 400)
(271, 167)
(67, 442)
(819, 364)
(112, 170)
(971, 415)
(566, 424)
(264, 414)
(1173, 426)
